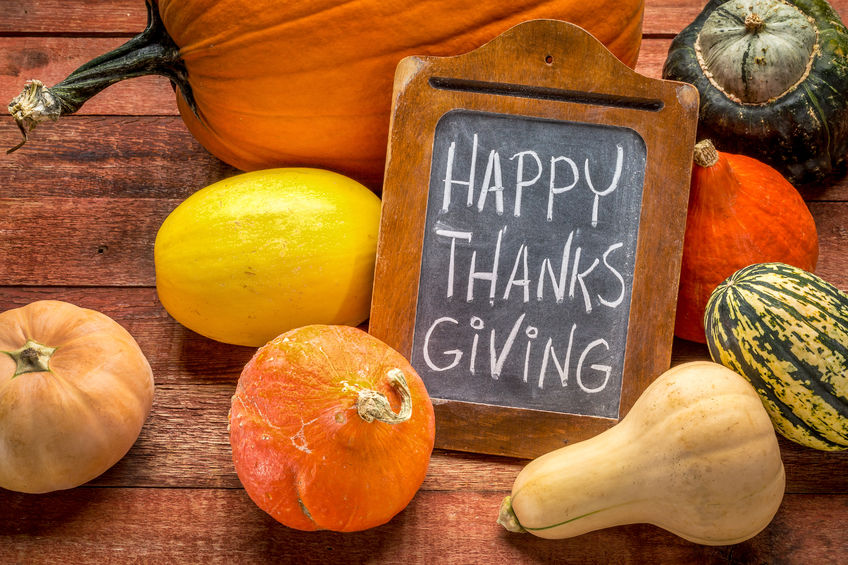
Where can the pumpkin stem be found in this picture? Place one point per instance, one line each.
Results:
(31, 358)
(152, 52)
(705, 154)
(372, 405)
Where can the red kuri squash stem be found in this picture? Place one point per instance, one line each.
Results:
(705, 154)
(372, 405)
(152, 52)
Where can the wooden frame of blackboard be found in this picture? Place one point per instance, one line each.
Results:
(546, 70)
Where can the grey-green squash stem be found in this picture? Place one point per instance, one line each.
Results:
(152, 52)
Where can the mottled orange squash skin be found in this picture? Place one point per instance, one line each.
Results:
(301, 450)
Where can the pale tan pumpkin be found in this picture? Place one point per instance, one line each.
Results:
(75, 389)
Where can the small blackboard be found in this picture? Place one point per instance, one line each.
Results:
(527, 263)
(530, 245)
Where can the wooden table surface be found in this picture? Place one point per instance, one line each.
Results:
(81, 205)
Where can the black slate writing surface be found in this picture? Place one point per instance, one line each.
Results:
(527, 262)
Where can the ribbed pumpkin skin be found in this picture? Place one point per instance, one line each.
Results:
(63, 427)
(310, 83)
(786, 331)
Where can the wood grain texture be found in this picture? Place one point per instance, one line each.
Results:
(127, 17)
(147, 157)
(105, 156)
(223, 526)
(57, 17)
(103, 241)
(109, 240)
(81, 205)
(185, 444)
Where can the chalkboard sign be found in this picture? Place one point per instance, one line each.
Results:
(533, 214)
(527, 264)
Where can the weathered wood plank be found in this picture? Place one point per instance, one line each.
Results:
(141, 156)
(102, 240)
(127, 17)
(109, 241)
(801, 532)
(833, 241)
(72, 17)
(116, 157)
(224, 526)
(146, 157)
(185, 443)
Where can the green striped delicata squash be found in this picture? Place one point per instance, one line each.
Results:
(786, 331)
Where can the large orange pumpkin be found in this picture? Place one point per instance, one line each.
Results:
(309, 83)
(331, 429)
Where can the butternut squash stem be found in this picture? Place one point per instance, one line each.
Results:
(152, 52)
(372, 405)
(33, 357)
(507, 517)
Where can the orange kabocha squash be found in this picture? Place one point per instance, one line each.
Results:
(331, 429)
(741, 211)
(264, 83)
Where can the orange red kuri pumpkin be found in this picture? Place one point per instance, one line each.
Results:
(741, 212)
(330, 429)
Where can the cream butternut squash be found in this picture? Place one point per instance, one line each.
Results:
(696, 455)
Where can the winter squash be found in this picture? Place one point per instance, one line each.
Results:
(75, 390)
(741, 211)
(773, 78)
(696, 455)
(260, 253)
(786, 331)
(330, 429)
(264, 84)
